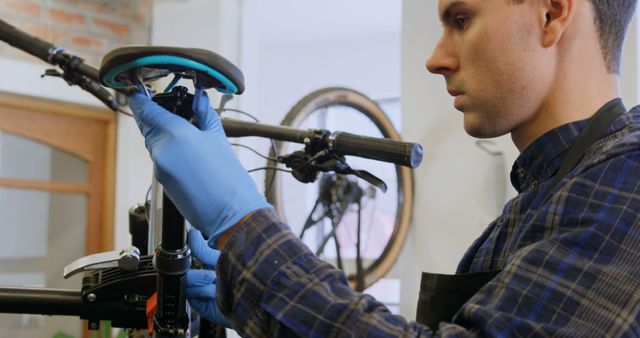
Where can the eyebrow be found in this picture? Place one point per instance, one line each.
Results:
(446, 13)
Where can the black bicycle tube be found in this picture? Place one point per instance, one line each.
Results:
(54, 302)
(26, 42)
(41, 301)
(381, 149)
(172, 261)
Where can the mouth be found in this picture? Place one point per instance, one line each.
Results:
(458, 95)
(454, 92)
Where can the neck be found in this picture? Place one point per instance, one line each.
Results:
(567, 103)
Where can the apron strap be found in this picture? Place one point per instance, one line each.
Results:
(595, 129)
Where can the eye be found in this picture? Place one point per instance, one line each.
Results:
(461, 22)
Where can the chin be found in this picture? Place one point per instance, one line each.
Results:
(482, 131)
(477, 134)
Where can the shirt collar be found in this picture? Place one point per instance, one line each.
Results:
(542, 159)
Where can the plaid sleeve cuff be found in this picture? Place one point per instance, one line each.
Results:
(249, 262)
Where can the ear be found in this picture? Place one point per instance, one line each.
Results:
(557, 15)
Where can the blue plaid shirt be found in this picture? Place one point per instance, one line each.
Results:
(570, 266)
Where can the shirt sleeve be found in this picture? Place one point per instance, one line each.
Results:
(271, 285)
(582, 280)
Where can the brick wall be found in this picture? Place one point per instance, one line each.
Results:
(87, 28)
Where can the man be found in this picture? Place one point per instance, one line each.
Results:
(564, 256)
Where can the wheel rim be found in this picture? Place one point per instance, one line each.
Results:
(379, 260)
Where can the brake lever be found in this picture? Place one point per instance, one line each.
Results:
(51, 72)
(87, 84)
(341, 167)
(371, 178)
(305, 168)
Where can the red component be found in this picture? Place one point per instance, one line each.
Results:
(152, 305)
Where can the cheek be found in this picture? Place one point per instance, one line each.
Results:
(503, 67)
(527, 72)
(485, 59)
(500, 85)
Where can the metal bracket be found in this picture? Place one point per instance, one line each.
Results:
(126, 260)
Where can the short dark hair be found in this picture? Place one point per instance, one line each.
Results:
(612, 18)
(612, 21)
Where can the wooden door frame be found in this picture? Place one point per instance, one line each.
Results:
(84, 131)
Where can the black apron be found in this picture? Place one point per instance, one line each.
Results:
(441, 296)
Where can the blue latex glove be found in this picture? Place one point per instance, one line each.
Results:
(201, 284)
(197, 167)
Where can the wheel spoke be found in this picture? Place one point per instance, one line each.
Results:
(310, 221)
(359, 270)
(335, 221)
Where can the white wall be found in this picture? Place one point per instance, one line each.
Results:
(630, 72)
(289, 71)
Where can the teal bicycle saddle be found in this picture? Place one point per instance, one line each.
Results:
(126, 66)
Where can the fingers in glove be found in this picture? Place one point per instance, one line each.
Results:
(149, 115)
(207, 117)
(200, 278)
(136, 102)
(209, 311)
(200, 249)
(202, 292)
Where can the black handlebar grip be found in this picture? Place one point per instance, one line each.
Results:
(381, 149)
(25, 42)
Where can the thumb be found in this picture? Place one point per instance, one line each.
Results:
(200, 249)
(136, 102)
(207, 117)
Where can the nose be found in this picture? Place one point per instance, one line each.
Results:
(443, 60)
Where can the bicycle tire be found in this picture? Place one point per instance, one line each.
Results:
(339, 96)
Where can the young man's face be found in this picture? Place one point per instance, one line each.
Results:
(491, 57)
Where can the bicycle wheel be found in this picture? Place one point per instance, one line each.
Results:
(344, 220)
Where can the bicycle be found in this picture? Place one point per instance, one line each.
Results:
(126, 287)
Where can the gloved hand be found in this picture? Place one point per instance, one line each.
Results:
(197, 167)
(201, 287)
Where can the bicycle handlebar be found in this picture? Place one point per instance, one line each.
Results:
(26, 42)
(381, 149)
(76, 71)
(403, 153)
